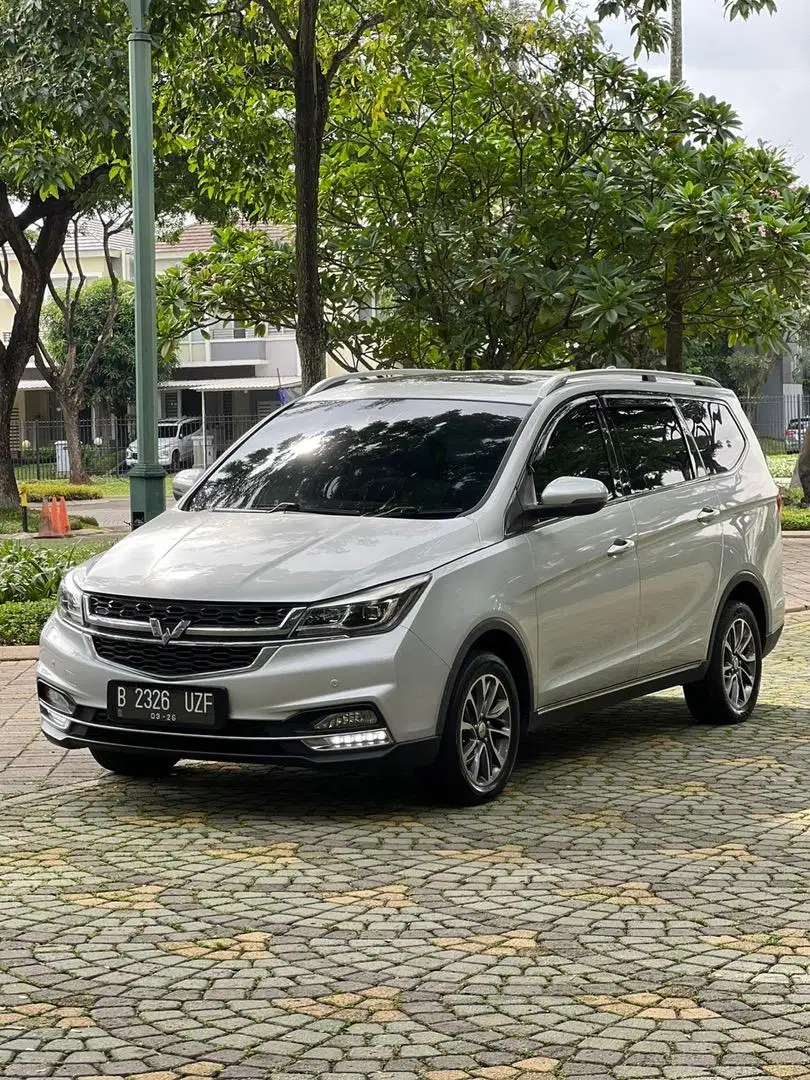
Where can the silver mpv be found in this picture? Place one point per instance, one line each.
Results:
(416, 568)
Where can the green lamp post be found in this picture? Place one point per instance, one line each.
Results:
(147, 491)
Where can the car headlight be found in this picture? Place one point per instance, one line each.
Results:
(369, 612)
(69, 602)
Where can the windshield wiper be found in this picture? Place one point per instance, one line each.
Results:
(282, 507)
(413, 511)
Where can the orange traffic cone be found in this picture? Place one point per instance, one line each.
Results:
(61, 523)
(46, 518)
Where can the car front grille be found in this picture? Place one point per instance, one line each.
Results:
(200, 613)
(174, 661)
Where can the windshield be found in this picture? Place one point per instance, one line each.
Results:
(405, 457)
(167, 431)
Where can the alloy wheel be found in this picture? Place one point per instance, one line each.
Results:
(739, 664)
(485, 732)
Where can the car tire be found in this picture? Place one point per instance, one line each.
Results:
(175, 465)
(481, 733)
(139, 766)
(727, 693)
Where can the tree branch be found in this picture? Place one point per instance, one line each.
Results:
(354, 40)
(38, 208)
(13, 233)
(284, 34)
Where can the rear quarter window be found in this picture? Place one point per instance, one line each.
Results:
(719, 440)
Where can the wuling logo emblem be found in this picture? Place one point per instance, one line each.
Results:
(165, 634)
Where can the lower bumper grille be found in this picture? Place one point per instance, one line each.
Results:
(175, 661)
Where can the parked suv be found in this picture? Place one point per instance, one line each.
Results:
(418, 568)
(794, 435)
(175, 443)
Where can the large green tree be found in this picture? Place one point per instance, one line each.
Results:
(62, 128)
(528, 199)
(87, 353)
(264, 75)
(64, 150)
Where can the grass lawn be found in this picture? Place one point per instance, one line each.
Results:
(115, 487)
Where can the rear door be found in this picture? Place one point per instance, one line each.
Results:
(586, 569)
(679, 532)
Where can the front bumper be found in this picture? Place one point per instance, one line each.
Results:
(271, 704)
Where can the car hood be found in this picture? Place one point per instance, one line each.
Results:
(221, 555)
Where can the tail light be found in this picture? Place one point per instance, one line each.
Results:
(779, 508)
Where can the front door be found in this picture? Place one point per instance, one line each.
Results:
(586, 569)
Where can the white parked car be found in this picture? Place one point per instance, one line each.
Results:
(417, 568)
(175, 443)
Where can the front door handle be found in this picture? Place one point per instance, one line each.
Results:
(619, 547)
(708, 513)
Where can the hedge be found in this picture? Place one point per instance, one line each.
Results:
(37, 490)
(794, 520)
(21, 624)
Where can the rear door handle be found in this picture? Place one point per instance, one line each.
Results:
(619, 547)
(707, 513)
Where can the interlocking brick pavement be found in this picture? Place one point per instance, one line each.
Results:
(797, 571)
(637, 905)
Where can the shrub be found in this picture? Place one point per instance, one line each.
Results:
(21, 623)
(99, 462)
(794, 520)
(37, 490)
(30, 572)
(11, 521)
(792, 497)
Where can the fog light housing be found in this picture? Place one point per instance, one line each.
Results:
(350, 740)
(349, 720)
(54, 718)
(57, 700)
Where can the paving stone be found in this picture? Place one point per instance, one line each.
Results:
(634, 908)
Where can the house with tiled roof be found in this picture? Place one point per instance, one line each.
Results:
(229, 371)
(229, 374)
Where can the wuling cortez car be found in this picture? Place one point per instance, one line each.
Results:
(417, 568)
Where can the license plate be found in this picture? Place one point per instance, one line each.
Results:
(166, 706)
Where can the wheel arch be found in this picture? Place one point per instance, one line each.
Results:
(504, 640)
(749, 589)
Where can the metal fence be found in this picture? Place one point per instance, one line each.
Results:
(39, 449)
(779, 422)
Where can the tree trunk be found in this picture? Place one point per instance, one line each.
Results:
(803, 466)
(36, 264)
(70, 415)
(676, 43)
(674, 324)
(310, 122)
(9, 495)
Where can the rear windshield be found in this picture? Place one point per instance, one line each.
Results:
(405, 457)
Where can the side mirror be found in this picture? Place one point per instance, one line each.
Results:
(567, 496)
(184, 481)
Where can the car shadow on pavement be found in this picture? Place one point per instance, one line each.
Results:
(648, 741)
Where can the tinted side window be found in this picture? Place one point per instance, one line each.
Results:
(652, 444)
(576, 447)
(719, 441)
